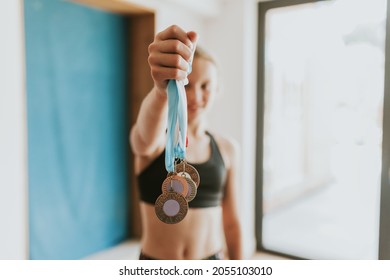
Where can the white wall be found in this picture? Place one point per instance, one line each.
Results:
(232, 37)
(13, 134)
(188, 14)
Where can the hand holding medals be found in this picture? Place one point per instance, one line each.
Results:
(182, 180)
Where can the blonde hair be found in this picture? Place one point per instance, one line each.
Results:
(202, 53)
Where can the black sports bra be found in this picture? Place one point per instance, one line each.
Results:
(212, 179)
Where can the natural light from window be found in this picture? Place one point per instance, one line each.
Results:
(324, 86)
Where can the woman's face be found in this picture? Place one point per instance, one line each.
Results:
(202, 87)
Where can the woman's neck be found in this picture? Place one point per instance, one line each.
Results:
(196, 130)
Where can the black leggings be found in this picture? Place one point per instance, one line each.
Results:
(216, 256)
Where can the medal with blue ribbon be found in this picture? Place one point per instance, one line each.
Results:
(178, 188)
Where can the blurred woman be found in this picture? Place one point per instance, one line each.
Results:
(212, 214)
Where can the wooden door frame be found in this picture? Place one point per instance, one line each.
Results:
(140, 33)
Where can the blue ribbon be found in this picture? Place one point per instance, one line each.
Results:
(180, 151)
(177, 124)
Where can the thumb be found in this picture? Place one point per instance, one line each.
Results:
(193, 36)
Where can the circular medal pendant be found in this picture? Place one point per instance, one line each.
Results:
(192, 189)
(175, 183)
(171, 207)
(192, 172)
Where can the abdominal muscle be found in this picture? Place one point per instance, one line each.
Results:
(197, 236)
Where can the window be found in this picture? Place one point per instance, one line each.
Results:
(320, 127)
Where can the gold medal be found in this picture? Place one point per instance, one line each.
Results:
(175, 183)
(192, 189)
(171, 207)
(192, 172)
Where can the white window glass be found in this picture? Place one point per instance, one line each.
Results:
(324, 86)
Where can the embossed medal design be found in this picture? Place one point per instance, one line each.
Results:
(190, 170)
(192, 189)
(177, 189)
(175, 183)
(171, 207)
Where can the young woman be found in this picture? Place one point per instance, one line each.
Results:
(212, 220)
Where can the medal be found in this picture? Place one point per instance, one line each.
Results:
(175, 183)
(192, 189)
(171, 207)
(183, 166)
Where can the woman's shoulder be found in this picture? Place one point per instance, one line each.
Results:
(228, 146)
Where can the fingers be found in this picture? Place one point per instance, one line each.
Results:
(163, 74)
(168, 66)
(171, 46)
(170, 55)
(169, 60)
(175, 32)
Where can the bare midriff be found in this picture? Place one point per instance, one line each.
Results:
(197, 236)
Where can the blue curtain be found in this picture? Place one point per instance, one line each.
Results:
(77, 129)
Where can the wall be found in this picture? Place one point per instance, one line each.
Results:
(232, 37)
(13, 167)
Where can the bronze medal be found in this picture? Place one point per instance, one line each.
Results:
(175, 183)
(192, 189)
(171, 207)
(192, 172)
